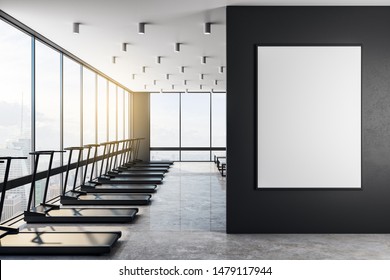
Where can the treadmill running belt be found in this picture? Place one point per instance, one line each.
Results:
(132, 173)
(82, 215)
(130, 180)
(112, 188)
(106, 199)
(58, 243)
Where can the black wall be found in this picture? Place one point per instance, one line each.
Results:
(308, 211)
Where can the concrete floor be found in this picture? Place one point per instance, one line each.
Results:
(186, 220)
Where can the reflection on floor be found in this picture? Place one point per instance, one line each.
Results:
(186, 220)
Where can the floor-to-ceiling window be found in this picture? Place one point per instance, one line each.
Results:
(121, 116)
(165, 125)
(71, 112)
(15, 111)
(50, 100)
(47, 114)
(112, 111)
(89, 113)
(195, 126)
(187, 126)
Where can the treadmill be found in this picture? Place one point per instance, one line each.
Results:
(94, 187)
(77, 197)
(119, 172)
(106, 178)
(129, 150)
(13, 242)
(51, 213)
(137, 143)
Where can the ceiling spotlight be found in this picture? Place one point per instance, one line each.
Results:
(221, 69)
(124, 47)
(168, 76)
(173, 87)
(144, 86)
(182, 69)
(143, 69)
(203, 59)
(201, 86)
(154, 82)
(114, 59)
(177, 47)
(201, 76)
(216, 82)
(76, 27)
(133, 76)
(185, 82)
(158, 59)
(141, 28)
(207, 28)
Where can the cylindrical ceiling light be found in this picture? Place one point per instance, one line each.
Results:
(203, 59)
(221, 69)
(201, 86)
(124, 47)
(114, 59)
(143, 69)
(177, 47)
(201, 76)
(207, 28)
(182, 69)
(141, 28)
(216, 82)
(154, 82)
(144, 86)
(173, 87)
(76, 27)
(158, 59)
(133, 76)
(185, 82)
(168, 76)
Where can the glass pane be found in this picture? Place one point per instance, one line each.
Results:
(71, 103)
(164, 119)
(89, 111)
(195, 156)
(15, 201)
(121, 107)
(47, 98)
(195, 120)
(89, 106)
(218, 119)
(112, 111)
(127, 115)
(15, 99)
(102, 110)
(165, 155)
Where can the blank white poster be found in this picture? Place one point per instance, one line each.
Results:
(309, 116)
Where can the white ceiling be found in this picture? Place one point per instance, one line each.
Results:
(106, 24)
